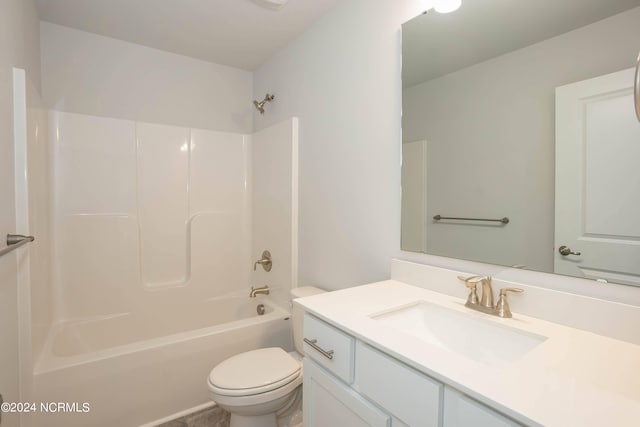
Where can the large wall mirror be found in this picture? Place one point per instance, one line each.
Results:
(520, 142)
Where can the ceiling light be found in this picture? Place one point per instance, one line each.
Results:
(446, 6)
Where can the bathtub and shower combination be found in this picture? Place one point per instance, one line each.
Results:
(153, 231)
(134, 369)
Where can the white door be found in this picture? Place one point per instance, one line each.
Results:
(414, 196)
(597, 214)
(462, 411)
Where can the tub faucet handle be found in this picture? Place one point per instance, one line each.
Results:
(265, 261)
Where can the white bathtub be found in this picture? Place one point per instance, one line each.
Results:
(136, 368)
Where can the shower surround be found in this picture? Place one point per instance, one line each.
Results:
(141, 208)
(153, 231)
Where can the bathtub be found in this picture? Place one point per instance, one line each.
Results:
(134, 368)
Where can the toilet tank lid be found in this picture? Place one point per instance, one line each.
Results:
(306, 291)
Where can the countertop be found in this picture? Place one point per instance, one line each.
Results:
(573, 378)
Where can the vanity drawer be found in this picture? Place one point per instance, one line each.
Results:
(412, 397)
(329, 347)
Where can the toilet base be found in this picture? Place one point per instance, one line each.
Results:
(268, 420)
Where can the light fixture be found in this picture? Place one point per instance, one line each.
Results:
(446, 6)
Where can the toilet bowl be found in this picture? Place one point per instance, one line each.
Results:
(259, 386)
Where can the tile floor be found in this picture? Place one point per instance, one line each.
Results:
(210, 417)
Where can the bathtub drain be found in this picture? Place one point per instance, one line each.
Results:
(260, 309)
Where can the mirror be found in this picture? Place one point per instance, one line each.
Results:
(520, 141)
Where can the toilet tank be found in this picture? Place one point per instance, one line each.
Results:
(297, 314)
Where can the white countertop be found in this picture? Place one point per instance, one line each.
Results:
(574, 378)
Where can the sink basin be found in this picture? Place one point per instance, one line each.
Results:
(476, 338)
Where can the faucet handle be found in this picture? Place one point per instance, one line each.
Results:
(471, 282)
(502, 307)
(503, 291)
(265, 261)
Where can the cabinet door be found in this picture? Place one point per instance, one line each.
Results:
(327, 402)
(410, 396)
(462, 411)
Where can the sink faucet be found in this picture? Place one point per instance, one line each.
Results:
(501, 309)
(259, 291)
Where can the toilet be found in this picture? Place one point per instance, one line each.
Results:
(259, 386)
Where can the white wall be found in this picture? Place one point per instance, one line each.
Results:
(32, 218)
(341, 77)
(503, 108)
(274, 170)
(90, 74)
(19, 47)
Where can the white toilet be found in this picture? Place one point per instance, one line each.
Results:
(259, 385)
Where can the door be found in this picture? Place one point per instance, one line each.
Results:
(414, 196)
(330, 403)
(463, 411)
(598, 180)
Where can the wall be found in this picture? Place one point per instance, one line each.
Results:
(90, 74)
(341, 77)
(507, 108)
(19, 47)
(32, 218)
(145, 215)
(38, 217)
(274, 207)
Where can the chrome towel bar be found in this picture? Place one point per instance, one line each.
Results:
(504, 220)
(14, 241)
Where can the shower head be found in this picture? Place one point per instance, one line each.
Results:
(260, 105)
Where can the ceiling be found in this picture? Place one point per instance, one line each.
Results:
(237, 33)
(436, 44)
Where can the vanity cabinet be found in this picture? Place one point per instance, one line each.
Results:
(461, 410)
(410, 396)
(328, 402)
(349, 383)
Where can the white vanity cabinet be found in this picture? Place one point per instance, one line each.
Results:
(410, 396)
(349, 383)
(328, 402)
(461, 410)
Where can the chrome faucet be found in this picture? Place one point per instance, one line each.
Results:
(259, 291)
(501, 309)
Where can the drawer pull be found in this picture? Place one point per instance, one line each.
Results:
(322, 351)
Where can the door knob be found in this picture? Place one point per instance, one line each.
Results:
(566, 250)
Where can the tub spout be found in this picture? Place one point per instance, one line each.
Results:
(257, 291)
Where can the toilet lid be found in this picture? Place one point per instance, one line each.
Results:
(255, 369)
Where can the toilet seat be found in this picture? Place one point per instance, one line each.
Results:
(254, 372)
